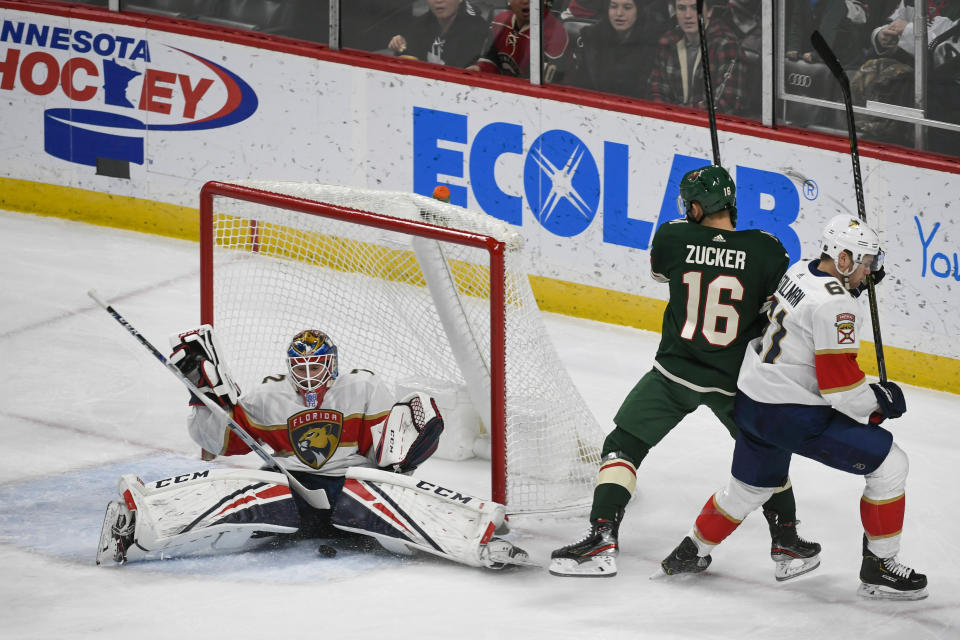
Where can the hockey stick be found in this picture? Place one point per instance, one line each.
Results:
(830, 59)
(708, 84)
(315, 498)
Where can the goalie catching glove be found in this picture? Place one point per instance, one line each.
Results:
(410, 434)
(195, 354)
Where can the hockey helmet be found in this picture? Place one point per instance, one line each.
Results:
(847, 233)
(712, 187)
(311, 362)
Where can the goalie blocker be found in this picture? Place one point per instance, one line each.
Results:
(219, 510)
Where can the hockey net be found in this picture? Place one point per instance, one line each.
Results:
(428, 295)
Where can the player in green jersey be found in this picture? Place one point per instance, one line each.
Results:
(720, 281)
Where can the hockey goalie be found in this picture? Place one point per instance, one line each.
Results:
(348, 447)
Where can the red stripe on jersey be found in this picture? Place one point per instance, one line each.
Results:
(882, 518)
(128, 498)
(713, 524)
(365, 438)
(235, 446)
(837, 371)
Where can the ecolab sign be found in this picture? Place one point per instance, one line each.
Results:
(134, 93)
(566, 182)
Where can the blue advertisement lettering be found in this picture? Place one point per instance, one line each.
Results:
(562, 183)
(429, 160)
(489, 144)
(939, 263)
(618, 227)
(752, 185)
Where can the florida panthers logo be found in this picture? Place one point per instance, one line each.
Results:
(315, 435)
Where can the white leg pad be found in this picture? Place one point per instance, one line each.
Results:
(406, 514)
(209, 511)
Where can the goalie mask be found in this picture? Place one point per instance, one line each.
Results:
(712, 187)
(312, 364)
(847, 233)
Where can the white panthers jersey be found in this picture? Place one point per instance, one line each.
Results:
(327, 440)
(808, 353)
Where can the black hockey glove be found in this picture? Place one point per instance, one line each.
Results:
(877, 277)
(195, 355)
(891, 400)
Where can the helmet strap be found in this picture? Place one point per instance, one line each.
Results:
(845, 276)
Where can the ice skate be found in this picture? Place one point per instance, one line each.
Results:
(594, 556)
(793, 555)
(499, 553)
(887, 579)
(684, 559)
(116, 536)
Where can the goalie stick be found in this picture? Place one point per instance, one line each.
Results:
(315, 498)
(708, 84)
(830, 59)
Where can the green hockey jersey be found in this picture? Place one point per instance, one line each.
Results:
(719, 281)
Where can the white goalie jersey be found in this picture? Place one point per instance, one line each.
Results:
(327, 440)
(808, 353)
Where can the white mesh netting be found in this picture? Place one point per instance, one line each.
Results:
(277, 272)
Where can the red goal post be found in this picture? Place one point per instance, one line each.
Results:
(270, 249)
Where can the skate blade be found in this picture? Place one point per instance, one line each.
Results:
(107, 548)
(660, 574)
(794, 567)
(875, 592)
(596, 567)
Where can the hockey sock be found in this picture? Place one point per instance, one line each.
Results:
(617, 479)
(615, 484)
(714, 524)
(784, 504)
(882, 518)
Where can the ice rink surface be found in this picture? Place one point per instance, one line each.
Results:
(82, 403)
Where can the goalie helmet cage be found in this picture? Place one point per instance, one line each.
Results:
(430, 296)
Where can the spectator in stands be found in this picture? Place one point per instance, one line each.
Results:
(450, 33)
(368, 24)
(896, 37)
(507, 48)
(582, 10)
(844, 25)
(677, 76)
(943, 90)
(615, 54)
(745, 15)
(888, 76)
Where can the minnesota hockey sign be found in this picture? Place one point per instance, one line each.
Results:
(315, 435)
